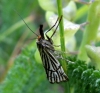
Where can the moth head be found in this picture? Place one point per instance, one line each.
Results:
(39, 38)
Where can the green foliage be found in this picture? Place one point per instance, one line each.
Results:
(93, 26)
(26, 76)
(83, 78)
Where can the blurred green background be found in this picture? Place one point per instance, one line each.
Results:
(8, 18)
(12, 32)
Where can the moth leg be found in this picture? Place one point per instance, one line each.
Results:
(49, 38)
(56, 27)
(57, 55)
(52, 26)
(58, 19)
(56, 45)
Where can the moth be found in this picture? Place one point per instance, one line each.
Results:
(52, 66)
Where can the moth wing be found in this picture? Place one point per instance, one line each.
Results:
(54, 70)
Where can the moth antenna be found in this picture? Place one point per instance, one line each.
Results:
(25, 22)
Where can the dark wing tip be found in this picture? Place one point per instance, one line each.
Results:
(64, 80)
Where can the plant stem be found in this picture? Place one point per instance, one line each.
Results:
(62, 40)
